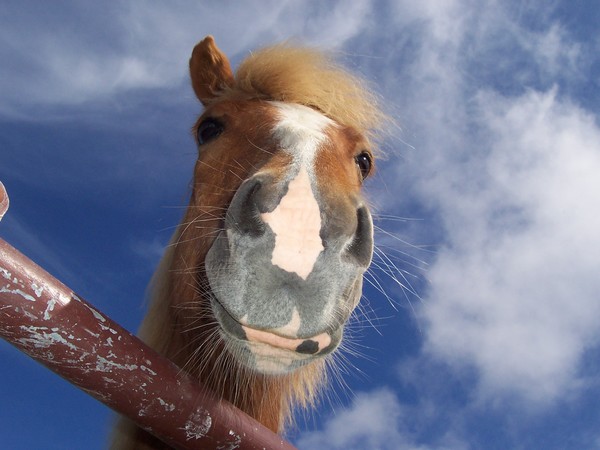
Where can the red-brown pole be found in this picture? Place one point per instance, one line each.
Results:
(45, 319)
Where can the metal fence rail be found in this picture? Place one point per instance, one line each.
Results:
(45, 319)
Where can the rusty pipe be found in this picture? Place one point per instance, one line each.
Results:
(46, 320)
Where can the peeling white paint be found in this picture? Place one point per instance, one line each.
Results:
(5, 273)
(49, 308)
(55, 294)
(28, 314)
(235, 442)
(43, 337)
(37, 289)
(146, 369)
(96, 335)
(104, 365)
(102, 396)
(109, 329)
(168, 406)
(23, 294)
(96, 314)
(197, 425)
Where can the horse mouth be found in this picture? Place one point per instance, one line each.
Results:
(266, 351)
(309, 346)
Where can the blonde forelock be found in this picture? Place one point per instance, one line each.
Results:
(309, 77)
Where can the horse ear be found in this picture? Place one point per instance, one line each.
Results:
(210, 70)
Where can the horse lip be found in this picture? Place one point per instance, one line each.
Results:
(319, 342)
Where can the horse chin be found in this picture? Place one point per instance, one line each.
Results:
(264, 358)
(268, 353)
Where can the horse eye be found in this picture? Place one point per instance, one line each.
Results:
(364, 161)
(208, 130)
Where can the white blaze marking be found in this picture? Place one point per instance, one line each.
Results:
(296, 221)
(300, 130)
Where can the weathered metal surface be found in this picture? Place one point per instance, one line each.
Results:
(45, 319)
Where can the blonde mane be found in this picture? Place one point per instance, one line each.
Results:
(308, 77)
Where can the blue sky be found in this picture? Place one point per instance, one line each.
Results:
(494, 162)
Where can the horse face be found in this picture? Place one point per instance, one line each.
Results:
(285, 267)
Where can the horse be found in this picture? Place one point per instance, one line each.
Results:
(266, 267)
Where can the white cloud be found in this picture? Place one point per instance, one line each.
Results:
(553, 51)
(515, 292)
(377, 421)
(372, 422)
(444, 20)
(137, 46)
(511, 173)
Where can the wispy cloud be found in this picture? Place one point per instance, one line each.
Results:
(377, 420)
(515, 291)
(144, 48)
(371, 422)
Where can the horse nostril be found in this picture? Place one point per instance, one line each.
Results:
(243, 214)
(308, 347)
(361, 246)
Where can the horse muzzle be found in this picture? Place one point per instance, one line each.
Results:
(286, 271)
